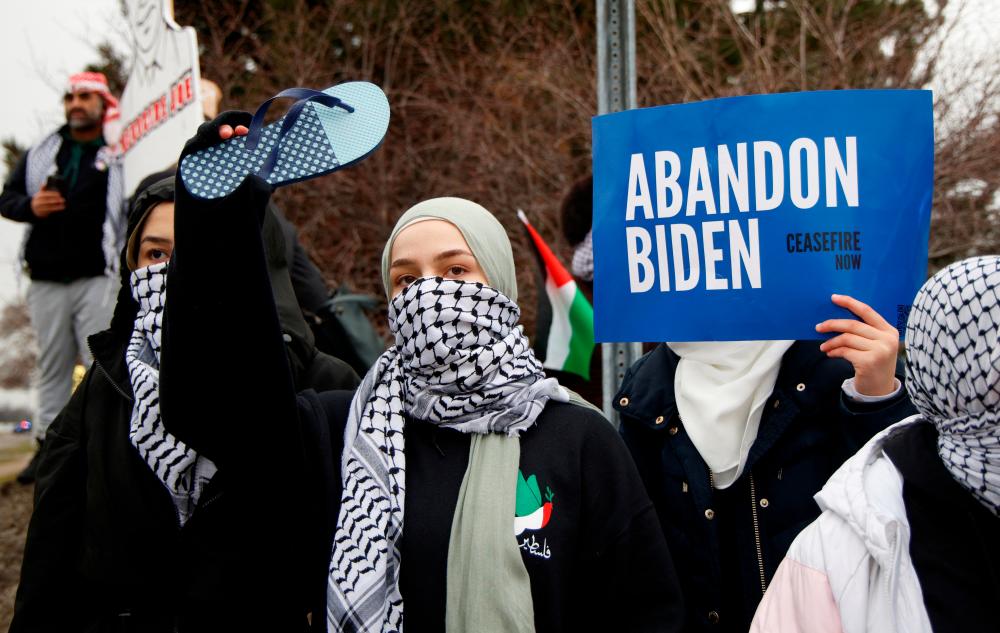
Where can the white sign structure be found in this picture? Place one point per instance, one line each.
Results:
(161, 104)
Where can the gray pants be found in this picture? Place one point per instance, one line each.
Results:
(63, 316)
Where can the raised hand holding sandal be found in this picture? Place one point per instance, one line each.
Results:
(322, 132)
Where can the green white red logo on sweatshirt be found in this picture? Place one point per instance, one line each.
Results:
(532, 511)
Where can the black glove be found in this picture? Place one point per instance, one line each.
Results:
(208, 132)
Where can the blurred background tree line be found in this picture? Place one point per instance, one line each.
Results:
(492, 100)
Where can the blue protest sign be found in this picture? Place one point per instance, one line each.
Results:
(737, 218)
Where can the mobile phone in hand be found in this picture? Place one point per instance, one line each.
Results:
(56, 182)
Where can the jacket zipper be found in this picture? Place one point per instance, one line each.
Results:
(107, 376)
(210, 501)
(756, 529)
(756, 535)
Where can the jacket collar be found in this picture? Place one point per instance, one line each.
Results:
(647, 394)
(648, 389)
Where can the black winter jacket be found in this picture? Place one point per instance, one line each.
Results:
(66, 245)
(728, 543)
(105, 550)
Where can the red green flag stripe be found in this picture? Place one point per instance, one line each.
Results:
(565, 333)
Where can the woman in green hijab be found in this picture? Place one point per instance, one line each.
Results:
(458, 488)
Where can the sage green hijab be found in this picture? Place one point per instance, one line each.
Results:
(484, 234)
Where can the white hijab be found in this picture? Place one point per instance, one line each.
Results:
(721, 388)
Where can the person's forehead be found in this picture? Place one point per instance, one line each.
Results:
(162, 210)
(426, 237)
(160, 219)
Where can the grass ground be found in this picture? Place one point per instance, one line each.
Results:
(15, 452)
(15, 510)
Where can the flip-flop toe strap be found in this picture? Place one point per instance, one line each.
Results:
(304, 96)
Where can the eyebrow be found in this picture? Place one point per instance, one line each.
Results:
(401, 262)
(156, 240)
(440, 256)
(452, 253)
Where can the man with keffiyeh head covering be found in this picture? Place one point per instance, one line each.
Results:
(908, 536)
(68, 190)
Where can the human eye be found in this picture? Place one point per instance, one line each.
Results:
(157, 255)
(404, 280)
(456, 271)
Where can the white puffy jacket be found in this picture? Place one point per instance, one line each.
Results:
(850, 571)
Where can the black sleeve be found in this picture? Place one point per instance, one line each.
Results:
(15, 203)
(225, 384)
(863, 420)
(640, 585)
(310, 288)
(53, 549)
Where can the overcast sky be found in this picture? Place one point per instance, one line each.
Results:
(44, 41)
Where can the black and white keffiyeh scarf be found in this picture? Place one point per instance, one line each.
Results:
(182, 470)
(460, 361)
(953, 370)
(583, 259)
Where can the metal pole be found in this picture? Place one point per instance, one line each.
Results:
(615, 55)
(615, 92)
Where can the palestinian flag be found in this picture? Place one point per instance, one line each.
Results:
(564, 337)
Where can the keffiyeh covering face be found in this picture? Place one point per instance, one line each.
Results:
(180, 469)
(953, 370)
(459, 361)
